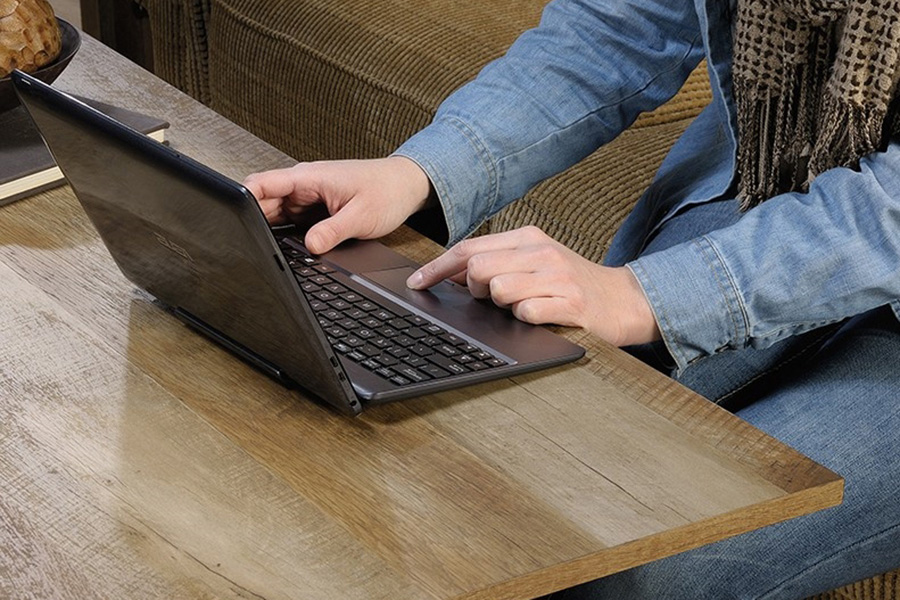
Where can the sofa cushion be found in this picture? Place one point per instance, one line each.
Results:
(349, 78)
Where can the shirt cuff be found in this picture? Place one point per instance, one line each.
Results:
(694, 300)
(461, 171)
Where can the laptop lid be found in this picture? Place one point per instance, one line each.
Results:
(191, 237)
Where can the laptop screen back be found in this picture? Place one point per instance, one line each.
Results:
(192, 238)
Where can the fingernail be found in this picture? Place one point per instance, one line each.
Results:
(415, 281)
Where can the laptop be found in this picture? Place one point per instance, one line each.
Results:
(343, 325)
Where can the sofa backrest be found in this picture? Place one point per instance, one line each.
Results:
(354, 78)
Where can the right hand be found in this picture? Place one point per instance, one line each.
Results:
(365, 199)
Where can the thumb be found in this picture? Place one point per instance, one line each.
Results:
(341, 226)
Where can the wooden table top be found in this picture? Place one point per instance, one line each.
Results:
(139, 460)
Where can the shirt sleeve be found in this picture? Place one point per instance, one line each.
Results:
(794, 263)
(562, 90)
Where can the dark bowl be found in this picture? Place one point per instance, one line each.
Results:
(71, 42)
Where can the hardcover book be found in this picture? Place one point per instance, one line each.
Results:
(26, 166)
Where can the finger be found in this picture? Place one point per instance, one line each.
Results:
(483, 268)
(454, 261)
(507, 289)
(477, 288)
(544, 310)
(276, 183)
(271, 208)
(351, 221)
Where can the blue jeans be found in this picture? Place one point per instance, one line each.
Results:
(837, 400)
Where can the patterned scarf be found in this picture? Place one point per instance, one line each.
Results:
(815, 86)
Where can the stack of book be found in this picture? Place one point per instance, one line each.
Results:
(26, 166)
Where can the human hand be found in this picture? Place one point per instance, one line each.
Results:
(542, 281)
(364, 198)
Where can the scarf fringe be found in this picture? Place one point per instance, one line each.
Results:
(789, 149)
(848, 132)
(775, 130)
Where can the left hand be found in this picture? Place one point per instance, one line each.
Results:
(542, 281)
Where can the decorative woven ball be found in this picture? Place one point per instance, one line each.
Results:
(29, 35)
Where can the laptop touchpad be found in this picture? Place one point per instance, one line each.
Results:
(446, 300)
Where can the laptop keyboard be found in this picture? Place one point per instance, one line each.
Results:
(392, 342)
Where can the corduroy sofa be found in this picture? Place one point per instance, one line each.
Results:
(354, 78)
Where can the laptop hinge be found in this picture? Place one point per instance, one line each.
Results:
(242, 351)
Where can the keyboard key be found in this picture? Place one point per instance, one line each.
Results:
(370, 350)
(421, 350)
(355, 356)
(331, 314)
(398, 351)
(399, 323)
(381, 342)
(384, 315)
(387, 360)
(404, 340)
(452, 339)
(353, 341)
(415, 361)
(447, 350)
(434, 371)
(371, 322)
(372, 364)
(339, 304)
(447, 363)
(347, 324)
(415, 333)
(412, 373)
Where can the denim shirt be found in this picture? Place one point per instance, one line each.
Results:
(796, 262)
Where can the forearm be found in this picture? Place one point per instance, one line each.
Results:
(795, 263)
(562, 90)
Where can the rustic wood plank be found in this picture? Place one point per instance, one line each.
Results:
(113, 488)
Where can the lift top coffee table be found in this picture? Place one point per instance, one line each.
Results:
(139, 460)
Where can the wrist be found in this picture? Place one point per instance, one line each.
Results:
(640, 326)
(420, 192)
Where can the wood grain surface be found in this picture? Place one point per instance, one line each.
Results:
(139, 460)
